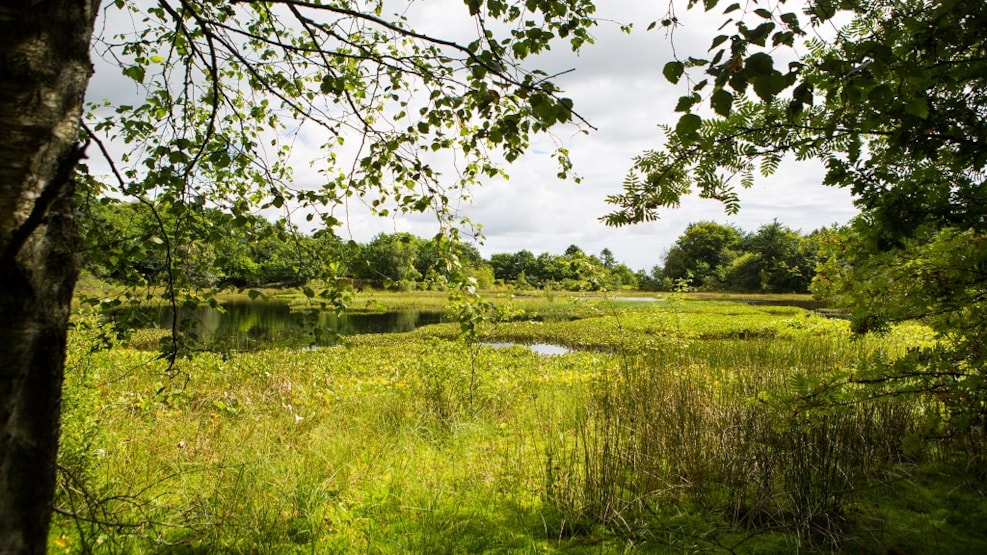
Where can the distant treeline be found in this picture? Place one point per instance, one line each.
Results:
(707, 256)
(215, 249)
(773, 259)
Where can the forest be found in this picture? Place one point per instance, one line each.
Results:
(261, 253)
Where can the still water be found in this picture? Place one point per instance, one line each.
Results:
(253, 325)
(547, 349)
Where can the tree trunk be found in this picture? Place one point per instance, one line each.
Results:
(44, 72)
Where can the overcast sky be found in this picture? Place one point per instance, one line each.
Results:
(618, 87)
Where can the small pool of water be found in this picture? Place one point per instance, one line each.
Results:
(547, 349)
(246, 326)
(618, 299)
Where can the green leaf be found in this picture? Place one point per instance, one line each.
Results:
(758, 64)
(760, 33)
(673, 71)
(918, 107)
(783, 37)
(803, 93)
(824, 10)
(881, 95)
(686, 103)
(768, 86)
(135, 72)
(721, 102)
(687, 128)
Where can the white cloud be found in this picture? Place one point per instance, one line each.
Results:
(618, 87)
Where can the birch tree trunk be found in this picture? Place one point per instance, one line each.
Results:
(44, 72)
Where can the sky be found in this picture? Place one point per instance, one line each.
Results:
(617, 86)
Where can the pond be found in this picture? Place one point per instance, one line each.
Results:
(547, 349)
(252, 325)
(808, 304)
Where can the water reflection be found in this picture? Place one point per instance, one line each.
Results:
(252, 325)
(537, 348)
(808, 304)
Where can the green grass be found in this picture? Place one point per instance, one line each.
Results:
(669, 429)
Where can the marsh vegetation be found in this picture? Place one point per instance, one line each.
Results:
(687, 425)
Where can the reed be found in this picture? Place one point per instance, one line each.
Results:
(672, 427)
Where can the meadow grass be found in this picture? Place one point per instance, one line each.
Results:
(670, 427)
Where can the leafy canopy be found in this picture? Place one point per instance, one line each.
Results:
(404, 120)
(773, 259)
(700, 252)
(894, 105)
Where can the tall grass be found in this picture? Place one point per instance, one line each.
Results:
(670, 430)
(708, 427)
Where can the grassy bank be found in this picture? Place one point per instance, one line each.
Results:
(668, 428)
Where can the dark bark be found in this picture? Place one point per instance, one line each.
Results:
(44, 71)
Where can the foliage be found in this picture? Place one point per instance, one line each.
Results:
(893, 105)
(650, 281)
(405, 121)
(390, 259)
(572, 271)
(700, 253)
(123, 240)
(260, 253)
(670, 429)
(780, 260)
(938, 279)
(510, 266)
(773, 259)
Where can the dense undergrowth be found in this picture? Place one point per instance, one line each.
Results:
(675, 426)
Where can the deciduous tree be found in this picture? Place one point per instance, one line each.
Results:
(893, 104)
(224, 90)
(701, 253)
(44, 72)
(776, 259)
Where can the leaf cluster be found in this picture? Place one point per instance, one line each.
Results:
(892, 105)
(772, 259)
(401, 120)
(940, 279)
(572, 271)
